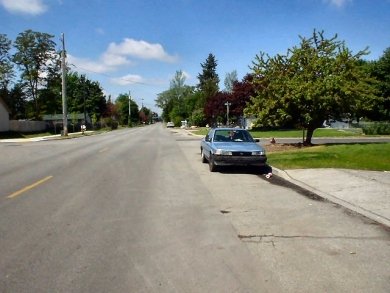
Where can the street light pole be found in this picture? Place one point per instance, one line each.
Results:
(227, 104)
(129, 120)
(63, 68)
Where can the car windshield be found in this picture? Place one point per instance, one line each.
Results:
(232, 136)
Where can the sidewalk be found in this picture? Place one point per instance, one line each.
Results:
(42, 138)
(364, 192)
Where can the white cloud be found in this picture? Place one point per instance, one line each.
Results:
(140, 49)
(128, 79)
(33, 7)
(84, 64)
(113, 60)
(118, 55)
(338, 3)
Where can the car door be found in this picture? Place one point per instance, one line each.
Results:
(207, 144)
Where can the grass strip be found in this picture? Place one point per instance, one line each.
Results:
(371, 156)
(320, 132)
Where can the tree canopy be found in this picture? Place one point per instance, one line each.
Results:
(380, 70)
(6, 68)
(315, 81)
(208, 79)
(35, 54)
(177, 103)
(238, 97)
(230, 79)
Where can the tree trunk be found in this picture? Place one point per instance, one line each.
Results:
(309, 135)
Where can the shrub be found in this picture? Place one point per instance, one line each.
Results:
(109, 122)
(376, 128)
(198, 118)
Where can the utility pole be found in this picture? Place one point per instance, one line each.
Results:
(128, 119)
(63, 69)
(227, 104)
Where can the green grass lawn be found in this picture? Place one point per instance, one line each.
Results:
(372, 156)
(320, 132)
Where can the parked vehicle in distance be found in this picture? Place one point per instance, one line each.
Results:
(231, 146)
(170, 125)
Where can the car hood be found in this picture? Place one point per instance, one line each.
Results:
(238, 146)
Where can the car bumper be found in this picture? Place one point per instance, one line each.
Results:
(240, 160)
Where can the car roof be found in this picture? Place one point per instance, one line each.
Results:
(228, 128)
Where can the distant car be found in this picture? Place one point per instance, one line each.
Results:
(170, 124)
(231, 146)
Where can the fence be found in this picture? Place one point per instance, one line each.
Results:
(27, 126)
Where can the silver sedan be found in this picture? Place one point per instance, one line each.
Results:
(231, 146)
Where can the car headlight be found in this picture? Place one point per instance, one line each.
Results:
(223, 152)
(258, 153)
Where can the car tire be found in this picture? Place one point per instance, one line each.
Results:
(204, 160)
(212, 166)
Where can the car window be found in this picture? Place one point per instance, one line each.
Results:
(208, 136)
(247, 136)
(227, 135)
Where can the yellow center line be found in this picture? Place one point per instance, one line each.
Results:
(29, 187)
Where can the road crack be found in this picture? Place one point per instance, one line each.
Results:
(261, 236)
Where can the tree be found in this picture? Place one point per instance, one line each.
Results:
(381, 71)
(178, 81)
(111, 110)
(198, 118)
(208, 79)
(177, 103)
(215, 108)
(145, 115)
(241, 94)
(165, 101)
(238, 97)
(35, 50)
(230, 79)
(315, 81)
(17, 102)
(85, 96)
(50, 95)
(6, 68)
(122, 106)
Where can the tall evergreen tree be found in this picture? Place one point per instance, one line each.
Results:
(208, 79)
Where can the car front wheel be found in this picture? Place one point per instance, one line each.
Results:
(204, 160)
(212, 165)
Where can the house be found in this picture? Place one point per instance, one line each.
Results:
(4, 116)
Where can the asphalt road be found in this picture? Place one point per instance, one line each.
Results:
(136, 211)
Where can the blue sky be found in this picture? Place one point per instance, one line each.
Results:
(138, 45)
